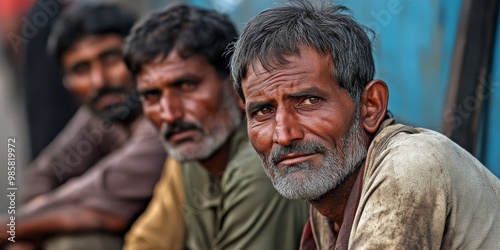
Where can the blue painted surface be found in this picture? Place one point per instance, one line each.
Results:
(413, 50)
(240, 11)
(491, 148)
(413, 47)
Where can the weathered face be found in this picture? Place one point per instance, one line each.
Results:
(303, 125)
(193, 107)
(96, 73)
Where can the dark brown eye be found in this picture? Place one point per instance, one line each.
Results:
(187, 86)
(151, 96)
(80, 69)
(310, 100)
(264, 111)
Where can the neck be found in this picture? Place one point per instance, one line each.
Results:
(333, 203)
(216, 164)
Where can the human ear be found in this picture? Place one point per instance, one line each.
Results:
(374, 105)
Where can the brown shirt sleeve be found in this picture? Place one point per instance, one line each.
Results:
(84, 140)
(122, 182)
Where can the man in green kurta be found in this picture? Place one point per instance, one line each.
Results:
(214, 193)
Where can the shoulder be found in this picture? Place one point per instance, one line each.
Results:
(421, 163)
(412, 163)
(245, 164)
(415, 151)
(421, 153)
(420, 177)
(405, 183)
(245, 176)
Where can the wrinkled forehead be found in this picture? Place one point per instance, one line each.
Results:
(274, 61)
(301, 71)
(305, 60)
(90, 46)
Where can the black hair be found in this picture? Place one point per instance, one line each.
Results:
(329, 29)
(189, 30)
(88, 19)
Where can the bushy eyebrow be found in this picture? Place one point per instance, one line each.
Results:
(103, 54)
(312, 91)
(155, 80)
(183, 79)
(145, 91)
(111, 51)
(75, 66)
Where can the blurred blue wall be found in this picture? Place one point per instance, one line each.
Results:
(413, 50)
(490, 153)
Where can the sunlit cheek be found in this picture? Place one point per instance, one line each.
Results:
(260, 141)
(118, 71)
(253, 139)
(81, 89)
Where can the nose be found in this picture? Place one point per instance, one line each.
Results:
(97, 76)
(172, 109)
(287, 128)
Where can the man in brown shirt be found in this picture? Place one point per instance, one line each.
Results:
(89, 185)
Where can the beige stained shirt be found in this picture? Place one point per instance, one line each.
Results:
(422, 191)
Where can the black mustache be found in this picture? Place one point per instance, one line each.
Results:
(179, 127)
(107, 90)
(309, 147)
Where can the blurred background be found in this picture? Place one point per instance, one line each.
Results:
(440, 59)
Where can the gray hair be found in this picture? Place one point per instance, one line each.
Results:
(280, 31)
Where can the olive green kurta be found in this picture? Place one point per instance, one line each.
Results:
(241, 210)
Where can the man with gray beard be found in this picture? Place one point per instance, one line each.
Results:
(320, 124)
(317, 181)
(213, 193)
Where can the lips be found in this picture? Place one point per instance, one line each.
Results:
(181, 135)
(296, 153)
(294, 158)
